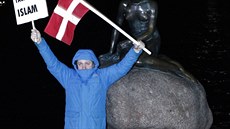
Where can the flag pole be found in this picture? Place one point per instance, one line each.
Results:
(112, 24)
(33, 26)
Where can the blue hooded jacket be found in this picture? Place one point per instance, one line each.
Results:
(86, 90)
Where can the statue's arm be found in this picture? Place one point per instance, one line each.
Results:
(119, 21)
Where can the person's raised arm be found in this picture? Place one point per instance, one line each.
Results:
(57, 69)
(116, 71)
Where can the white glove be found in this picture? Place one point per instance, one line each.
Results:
(139, 47)
(35, 36)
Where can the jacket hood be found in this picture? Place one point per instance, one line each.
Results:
(85, 54)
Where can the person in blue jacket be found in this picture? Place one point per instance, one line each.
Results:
(86, 84)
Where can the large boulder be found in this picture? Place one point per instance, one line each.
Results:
(151, 99)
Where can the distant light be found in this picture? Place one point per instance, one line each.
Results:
(2, 2)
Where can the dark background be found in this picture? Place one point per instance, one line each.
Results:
(194, 33)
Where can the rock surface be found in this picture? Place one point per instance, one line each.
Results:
(150, 99)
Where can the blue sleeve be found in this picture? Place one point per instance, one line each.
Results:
(59, 70)
(116, 71)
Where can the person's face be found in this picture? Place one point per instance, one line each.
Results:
(84, 64)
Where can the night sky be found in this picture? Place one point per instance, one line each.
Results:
(194, 33)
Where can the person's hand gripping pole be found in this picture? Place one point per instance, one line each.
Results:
(35, 34)
(138, 47)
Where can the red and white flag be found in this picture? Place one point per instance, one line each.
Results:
(64, 19)
(66, 16)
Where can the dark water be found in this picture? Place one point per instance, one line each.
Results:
(205, 53)
(212, 67)
(210, 60)
(194, 33)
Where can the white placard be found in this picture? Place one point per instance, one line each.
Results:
(29, 10)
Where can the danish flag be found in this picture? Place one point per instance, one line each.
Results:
(66, 16)
(64, 19)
